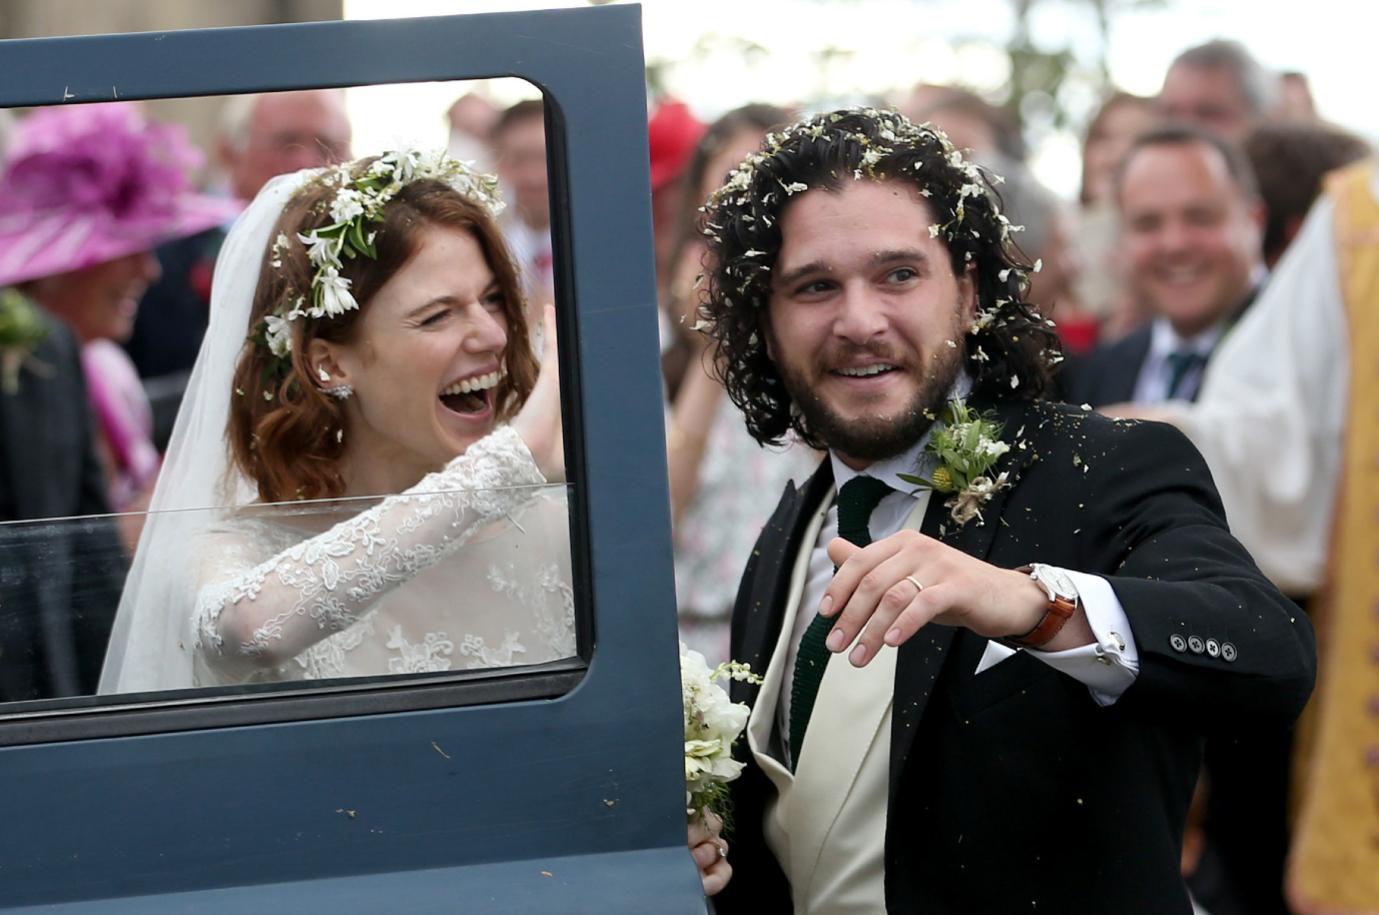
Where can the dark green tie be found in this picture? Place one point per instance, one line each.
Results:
(856, 500)
(1180, 365)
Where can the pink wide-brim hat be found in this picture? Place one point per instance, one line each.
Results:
(87, 184)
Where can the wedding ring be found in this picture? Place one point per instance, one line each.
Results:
(919, 586)
(722, 852)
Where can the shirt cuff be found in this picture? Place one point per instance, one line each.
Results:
(1110, 664)
(1107, 666)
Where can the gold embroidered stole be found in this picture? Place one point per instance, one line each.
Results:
(1335, 859)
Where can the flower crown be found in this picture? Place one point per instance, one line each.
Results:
(357, 206)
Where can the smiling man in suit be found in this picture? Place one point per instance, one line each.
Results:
(1191, 231)
(997, 701)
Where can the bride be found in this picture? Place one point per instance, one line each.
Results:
(387, 351)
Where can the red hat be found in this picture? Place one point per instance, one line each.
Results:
(672, 133)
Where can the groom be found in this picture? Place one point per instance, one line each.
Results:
(997, 701)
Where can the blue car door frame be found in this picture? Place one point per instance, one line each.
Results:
(558, 789)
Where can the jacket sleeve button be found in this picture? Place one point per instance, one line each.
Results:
(1213, 648)
(1228, 652)
(1195, 644)
(1177, 643)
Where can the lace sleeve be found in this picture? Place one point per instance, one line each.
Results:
(276, 609)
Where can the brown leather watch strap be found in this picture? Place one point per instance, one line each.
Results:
(1058, 613)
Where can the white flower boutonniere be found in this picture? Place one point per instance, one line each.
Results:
(21, 330)
(967, 446)
(713, 723)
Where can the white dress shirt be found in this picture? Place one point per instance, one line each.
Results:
(1156, 373)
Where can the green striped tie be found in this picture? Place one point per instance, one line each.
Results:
(856, 500)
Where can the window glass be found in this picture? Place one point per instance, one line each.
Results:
(258, 432)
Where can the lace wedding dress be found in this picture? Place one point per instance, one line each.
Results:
(469, 568)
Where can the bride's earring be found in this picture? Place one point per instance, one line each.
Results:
(339, 391)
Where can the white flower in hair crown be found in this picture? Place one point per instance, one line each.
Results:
(358, 204)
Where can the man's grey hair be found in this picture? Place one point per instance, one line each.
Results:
(1258, 85)
(238, 111)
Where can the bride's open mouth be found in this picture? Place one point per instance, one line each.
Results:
(471, 397)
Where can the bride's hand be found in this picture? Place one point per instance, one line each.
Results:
(538, 422)
(710, 852)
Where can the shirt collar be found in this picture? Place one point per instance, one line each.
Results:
(913, 460)
(1165, 340)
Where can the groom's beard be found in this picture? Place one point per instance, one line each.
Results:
(875, 438)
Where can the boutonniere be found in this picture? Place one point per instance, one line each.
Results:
(966, 445)
(22, 328)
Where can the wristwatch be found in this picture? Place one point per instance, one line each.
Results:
(1063, 599)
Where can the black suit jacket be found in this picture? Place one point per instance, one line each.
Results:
(60, 580)
(1108, 374)
(1012, 790)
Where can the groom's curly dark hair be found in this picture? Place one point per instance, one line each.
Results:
(1010, 349)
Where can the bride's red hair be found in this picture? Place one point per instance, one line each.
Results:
(283, 430)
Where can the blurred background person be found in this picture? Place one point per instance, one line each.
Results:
(1046, 238)
(1295, 104)
(259, 137)
(994, 139)
(86, 195)
(1191, 224)
(1218, 86)
(723, 485)
(471, 119)
(1289, 161)
(672, 133)
(970, 121)
(59, 582)
(1285, 422)
(1101, 288)
(518, 141)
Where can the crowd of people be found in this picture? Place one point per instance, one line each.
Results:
(1212, 273)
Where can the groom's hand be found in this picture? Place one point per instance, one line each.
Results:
(710, 852)
(887, 591)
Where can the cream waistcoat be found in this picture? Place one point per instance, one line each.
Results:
(827, 823)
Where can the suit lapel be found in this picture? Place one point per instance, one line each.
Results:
(1128, 369)
(920, 659)
(50, 417)
(765, 610)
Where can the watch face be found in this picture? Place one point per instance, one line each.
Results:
(1057, 579)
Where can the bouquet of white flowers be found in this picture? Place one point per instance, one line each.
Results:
(713, 724)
